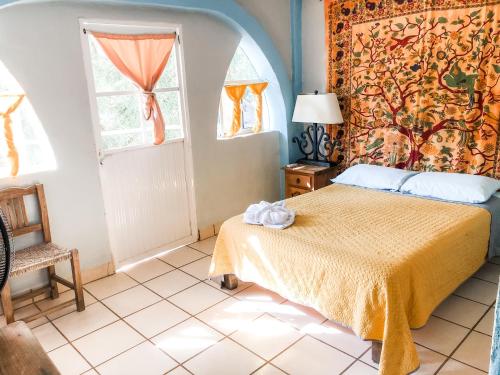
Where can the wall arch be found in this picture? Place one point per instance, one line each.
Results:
(253, 36)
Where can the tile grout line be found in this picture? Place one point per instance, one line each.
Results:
(149, 339)
(363, 362)
(228, 296)
(128, 349)
(460, 344)
(303, 335)
(204, 281)
(224, 336)
(74, 348)
(270, 314)
(122, 319)
(228, 336)
(141, 283)
(264, 313)
(486, 281)
(268, 364)
(315, 338)
(469, 299)
(452, 322)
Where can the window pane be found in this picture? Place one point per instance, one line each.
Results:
(4, 161)
(114, 141)
(241, 69)
(225, 113)
(119, 112)
(171, 110)
(169, 77)
(175, 133)
(34, 153)
(106, 76)
(24, 117)
(249, 104)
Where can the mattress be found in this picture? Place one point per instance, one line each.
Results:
(493, 206)
(376, 262)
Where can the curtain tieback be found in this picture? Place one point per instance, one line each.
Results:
(12, 153)
(149, 104)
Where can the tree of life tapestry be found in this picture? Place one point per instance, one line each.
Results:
(418, 82)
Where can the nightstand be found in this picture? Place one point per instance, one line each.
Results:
(304, 178)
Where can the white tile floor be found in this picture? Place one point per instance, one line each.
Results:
(163, 316)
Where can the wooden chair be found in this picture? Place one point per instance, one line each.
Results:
(44, 255)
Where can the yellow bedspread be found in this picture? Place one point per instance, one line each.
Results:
(377, 262)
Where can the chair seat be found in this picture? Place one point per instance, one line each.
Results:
(37, 257)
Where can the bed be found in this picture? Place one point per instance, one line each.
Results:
(375, 261)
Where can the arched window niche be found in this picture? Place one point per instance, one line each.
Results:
(29, 138)
(249, 66)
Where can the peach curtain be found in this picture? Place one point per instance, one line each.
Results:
(142, 59)
(257, 89)
(235, 93)
(9, 103)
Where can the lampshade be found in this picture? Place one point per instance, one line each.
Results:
(319, 108)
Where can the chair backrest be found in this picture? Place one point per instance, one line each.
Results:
(13, 205)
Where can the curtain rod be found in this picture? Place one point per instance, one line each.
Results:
(173, 32)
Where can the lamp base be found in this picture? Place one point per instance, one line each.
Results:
(319, 163)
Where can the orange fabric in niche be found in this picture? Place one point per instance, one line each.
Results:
(11, 106)
(257, 89)
(235, 93)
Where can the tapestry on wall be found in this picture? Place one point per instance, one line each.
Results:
(418, 82)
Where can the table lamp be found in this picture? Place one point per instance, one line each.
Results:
(314, 142)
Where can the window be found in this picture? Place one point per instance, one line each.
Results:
(241, 72)
(119, 101)
(30, 140)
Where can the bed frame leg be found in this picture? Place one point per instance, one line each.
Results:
(230, 282)
(376, 351)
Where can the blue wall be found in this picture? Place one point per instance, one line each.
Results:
(296, 33)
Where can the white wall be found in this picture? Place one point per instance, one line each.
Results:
(274, 16)
(313, 46)
(40, 45)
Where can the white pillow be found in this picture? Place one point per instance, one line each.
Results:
(452, 186)
(374, 177)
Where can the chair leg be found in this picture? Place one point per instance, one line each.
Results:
(77, 280)
(7, 306)
(54, 290)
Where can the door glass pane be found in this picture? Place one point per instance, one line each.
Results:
(171, 110)
(106, 75)
(169, 77)
(116, 141)
(119, 112)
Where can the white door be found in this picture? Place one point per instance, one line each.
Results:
(147, 189)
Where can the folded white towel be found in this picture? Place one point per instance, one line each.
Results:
(254, 211)
(271, 215)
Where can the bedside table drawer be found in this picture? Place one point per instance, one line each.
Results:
(298, 180)
(294, 191)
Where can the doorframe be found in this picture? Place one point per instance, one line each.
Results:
(150, 27)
